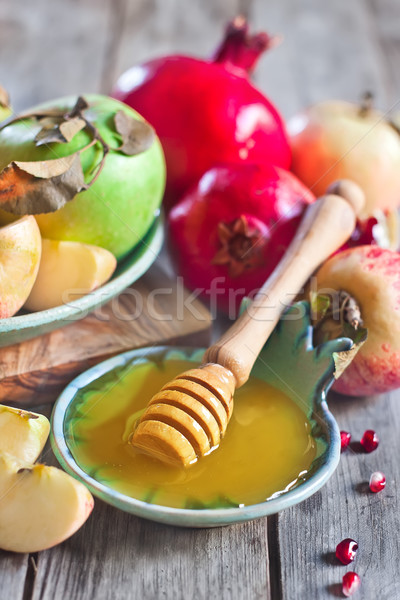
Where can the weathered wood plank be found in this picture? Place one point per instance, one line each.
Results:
(384, 18)
(154, 311)
(308, 534)
(156, 27)
(120, 556)
(51, 49)
(13, 574)
(329, 51)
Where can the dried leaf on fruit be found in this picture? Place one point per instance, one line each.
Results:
(34, 188)
(343, 359)
(47, 168)
(71, 127)
(333, 317)
(39, 114)
(137, 136)
(80, 105)
(60, 132)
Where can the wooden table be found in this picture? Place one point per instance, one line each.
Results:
(331, 49)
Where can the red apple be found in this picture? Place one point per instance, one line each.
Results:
(335, 140)
(371, 275)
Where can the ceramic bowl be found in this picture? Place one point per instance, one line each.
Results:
(288, 361)
(26, 326)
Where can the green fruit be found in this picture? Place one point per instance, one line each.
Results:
(119, 208)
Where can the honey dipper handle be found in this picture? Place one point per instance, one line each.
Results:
(326, 225)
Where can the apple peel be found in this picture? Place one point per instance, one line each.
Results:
(58, 504)
(137, 136)
(22, 433)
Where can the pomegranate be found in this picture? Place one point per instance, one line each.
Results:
(369, 440)
(351, 583)
(377, 482)
(371, 276)
(345, 438)
(228, 233)
(207, 111)
(346, 551)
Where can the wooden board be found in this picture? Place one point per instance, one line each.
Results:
(156, 310)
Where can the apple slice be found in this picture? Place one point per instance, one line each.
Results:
(20, 250)
(68, 270)
(22, 433)
(58, 505)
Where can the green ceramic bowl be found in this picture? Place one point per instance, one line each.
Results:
(26, 326)
(288, 361)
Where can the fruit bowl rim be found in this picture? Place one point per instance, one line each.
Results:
(129, 269)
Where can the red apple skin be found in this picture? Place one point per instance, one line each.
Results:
(332, 140)
(372, 276)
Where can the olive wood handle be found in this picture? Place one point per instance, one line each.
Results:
(327, 224)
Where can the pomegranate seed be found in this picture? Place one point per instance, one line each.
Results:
(377, 482)
(351, 583)
(345, 438)
(369, 440)
(346, 551)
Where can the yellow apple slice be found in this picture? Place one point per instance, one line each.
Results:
(22, 433)
(40, 506)
(20, 249)
(68, 270)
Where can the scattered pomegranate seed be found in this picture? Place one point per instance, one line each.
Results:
(345, 438)
(346, 551)
(351, 583)
(377, 482)
(369, 440)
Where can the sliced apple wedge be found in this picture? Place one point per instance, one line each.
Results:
(68, 270)
(22, 433)
(20, 249)
(40, 506)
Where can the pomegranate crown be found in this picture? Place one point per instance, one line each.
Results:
(240, 49)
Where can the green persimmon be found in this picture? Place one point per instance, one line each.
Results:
(121, 205)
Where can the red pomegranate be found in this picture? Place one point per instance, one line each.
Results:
(228, 233)
(207, 111)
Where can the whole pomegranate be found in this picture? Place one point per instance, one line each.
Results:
(207, 111)
(371, 277)
(229, 232)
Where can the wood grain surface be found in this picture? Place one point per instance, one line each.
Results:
(330, 50)
(156, 310)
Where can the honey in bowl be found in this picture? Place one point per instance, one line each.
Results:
(267, 449)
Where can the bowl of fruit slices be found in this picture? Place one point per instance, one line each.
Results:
(81, 183)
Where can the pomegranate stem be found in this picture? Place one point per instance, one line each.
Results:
(240, 49)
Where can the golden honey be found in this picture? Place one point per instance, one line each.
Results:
(267, 447)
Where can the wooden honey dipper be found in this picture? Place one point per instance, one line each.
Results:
(189, 416)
